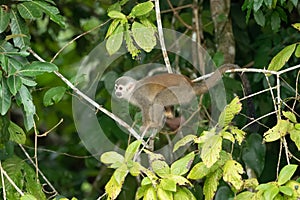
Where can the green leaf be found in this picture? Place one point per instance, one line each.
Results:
(211, 184)
(278, 131)
(268, 3)
(296, 26)
(281, 58)
(143, 36)
(286, 190)
(291, 116)
(297, 52)
(114, 42)
(37, 68)
(168, 184)
(28, 82)
(238, 134)
(179, 180)
(116, 15)
(210, 152)
(244, 195)
(5, 98)
(24, 177)
(28, 197)
(16, 133)
(253, 153)
(112, 158)
(259, 18)
(51, 11)
(257, 4)
(275, 21)
(295, 137)
(112, 27)
(232, 174)
(54, 95)
(121, 173)
(229, 112)
(184, 141)
(182, 166)
(141, 9)
(133, 50)
(286, 173)
(183, 194)
(295, 185)
(163, 194)
(150, 194)
(113, 188)
(29, 10)
(198, 171)
(24, 97)
(271, 192)
(14, 84)
(132, 149)
(161, 168)
(20, 29)
(4, 19)
(4, 130)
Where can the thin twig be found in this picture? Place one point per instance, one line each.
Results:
(35, 152)
(92, 102)
(161, 37)
(41, 173)
(2, 181)
(76, 38)
(47, 132)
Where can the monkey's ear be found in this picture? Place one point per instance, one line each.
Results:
(130, 86)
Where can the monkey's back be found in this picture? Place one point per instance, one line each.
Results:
(166, 89)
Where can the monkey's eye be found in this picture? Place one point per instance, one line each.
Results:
(120, 88)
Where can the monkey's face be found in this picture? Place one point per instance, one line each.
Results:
(124, 87)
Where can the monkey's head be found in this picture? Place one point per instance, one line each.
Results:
(124, 87)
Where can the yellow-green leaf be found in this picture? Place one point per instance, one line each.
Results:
(168, 184)
(150, 194)
(161, 168)
(238, 134)
(295, 137)
(281, 58)
(286, 173)
(116, 15)
(114, 42)
(113, 188)
(296, 26)
(211, 184)
(112, 157)
(297, 52)
(229, 112)
(232, 174)
(291, 116)
(132, 150)
(112, 27)
(182, 166)
(210, 152)
(141, 9)
(278, 131)
(184, 194)
(184, 141)
(164, 194)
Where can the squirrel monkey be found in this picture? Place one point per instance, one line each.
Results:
(153, 94)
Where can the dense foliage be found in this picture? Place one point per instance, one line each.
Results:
(43, 46)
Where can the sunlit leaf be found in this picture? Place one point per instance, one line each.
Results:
(281, 58)
(279, 130)
(112, 158)
(232, 174)
(150, 194)
(114, 42)
(184, 194)
(116, 15)
(132, 149)
(289, 115)
(164, 194)
(131, 47)
(229, 112)
(141, 9)
(184, 141)
(286, 190)
(296, 26)
(238, 134)
(112, 27)
(211, 184)
(295, 137)
(210, 152)
(168, 184)
(161, 168)
(182, 166)
(286, 173)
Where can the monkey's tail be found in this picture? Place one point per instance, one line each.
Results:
(205, 86)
